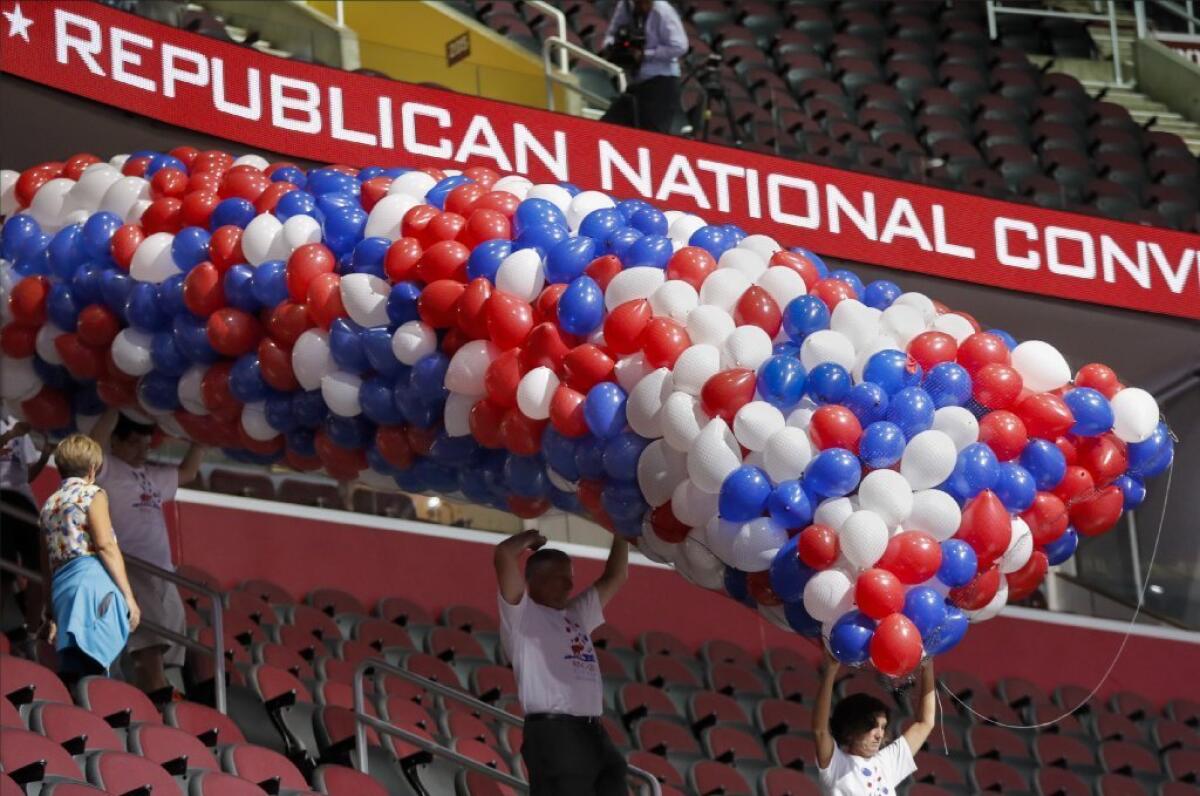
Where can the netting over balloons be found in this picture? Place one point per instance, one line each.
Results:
(854, 461)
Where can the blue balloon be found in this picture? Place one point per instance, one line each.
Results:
(604, 410)
(789, 504)
(946, 636)
(375, 397)
(892, 370)
(975, 470)
(788, 574)
(234, 211)
(485, 258)
(436, 195)
(85, 285)
(61, 307)
(799, 619)
(537, 213)
(239, 288)
(912, 409)
(279, 414)
(1009, 341)
(735, 233)
(781, 381)
(834, 472)
(1092, 411)
(55, 376)
(569, 258)
(649, 221)
(744, 494)
(868, 402)
(560, 452)
(17, 230)
(293, 174)
(525, 476)
(191, 339)
(330, 203)
(190, 247)
(351, 433)
(1153, 455)
(599, 224)
(829, 383)
(368, 257)
(651, 250)
(804, 315)
(402, 303)
(629, 207)
(170, 293)
(712, 239)
(377, 345)
(623, 501)
(880, 294)
(926, 608)
(297, 203)
(1045, 462)
(959, 563)
(144, 311)
(66, 251)
(1061, 548)
(850, 638)
(323, 181)
(34, 257)
(1132, 490)
(543, 238)
(428, 378)
(581, 306)
(343, 228)
(161, 161)
(268, 286)
(97, 235)
(115, 287)
(949, 384)
(621, 454)
(345, 346)
(159, 391)
(301, 440)
(589, 457)
(620, 242)
(246, 381)
(309, 408)
(881, 445)
(737, 587)
(785, 347)
(86, 400)
(814, 258)
(1015, 487)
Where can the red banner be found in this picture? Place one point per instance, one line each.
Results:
(334, 116)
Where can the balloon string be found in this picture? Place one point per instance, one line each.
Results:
(1120, 649)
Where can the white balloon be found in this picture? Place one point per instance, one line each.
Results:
(954, 325)
(863, 537)
(720, 535)
(191, 390)
(787, 452)
(535, 390)
(708, 324)
(365, 297)
(254, 421)
(682, 418)
(88, 192)
(828, 595)
(630, 370)
(1041, 367)
(300, 230)
(254, 161)
(833, 512)
(1020, 547)
(522, 274)
(556, 195)
(468, 367)
(152, 261)
(74, 217)
(887, 494)
(457, 417)
(651, 545)
(643, 408)
(44, 343)
(1135, 415)
(801, 416)
(674, 299)
(585, 202)
(683, 227)
(858, 322)
(639, 282)
(783, 284)
(123, 196)
(139, 210)
(131, 352)
(958, 423)
(262, 240)
(755, 424)
(48, 206)
(413, 341)
(994, 606)
(340, 391)
(902, 322)
(756, 544)
(311, 359)
(747, 347)
(386, 217)
(8, 192)
(660, 471)
(697, 564)
(928, 459)
(696, 365)
(919, 302)
(714, 455)
(762, 245)
(723, 287)
(412, 183)
(827, 345)
(514, 184)
(691, 505)
(747, 261)
(118, 161)
(934, 512)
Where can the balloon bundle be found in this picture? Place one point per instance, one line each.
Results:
(856, 462)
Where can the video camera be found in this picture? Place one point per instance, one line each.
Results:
(626, 48)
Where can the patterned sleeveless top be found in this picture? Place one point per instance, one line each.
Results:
(64, 520)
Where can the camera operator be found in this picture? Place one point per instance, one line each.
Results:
(647, 38)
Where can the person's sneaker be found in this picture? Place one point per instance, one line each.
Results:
(165, 696)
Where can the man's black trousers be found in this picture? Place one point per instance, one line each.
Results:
(568, 756)
(648, 105)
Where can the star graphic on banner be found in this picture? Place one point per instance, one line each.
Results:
(18, 23)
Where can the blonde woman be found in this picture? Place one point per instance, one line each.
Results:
(92, 610)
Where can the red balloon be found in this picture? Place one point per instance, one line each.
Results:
(566, 412)
(204, 181)
(116, 392)
(244, 182)
(225, 251)
(401, 260)
(896, 646)
(996, 386)
(343, 464)
(912, 556)
(757, 308)
(303, 266)
(501, 378)
(48, 410)
(982, 349)
(1047, 518)
(1045, 415)
(275, 364)
(421, 439)
(392, 444)
(585, 366)
(168, 182)
(818, 546)
(603, 269)
(18, 341)
(203, 291)
(1100, 378)
(324, 301)
(98, 325)
(415, 223)
(758, 584)
(502, 202)
(214, 388)
(1076, 484)
(522, 435)
(1066, 445)
(835, 426)
(798, 263)
(213, 160)
(544, 347)
(445, 227)
(691, 264)
(470, 315)
(455, 339)
(301, 464)
(438, 303)
(74, 166)
(483, 175)
(287, 322)
(667, 526)
(1098, 511)
(484, 224)
(269, 198)
(986, 526)
(1025, 580)
(932, 348)
(125, 242)
(462, 198)
(589, 495)
(663, 341)
(187, 154)
(1104, 457)
(27, 302)
(625, 326)
(509, 320)
(485, 420)
(1004, 433)
(233, 332)
(373, 190)
(878, 593)
(527, 508)
(728, 391)
(263, 447)
(832, 291)
(545, 307)
(978, 592)
(197, 208)
(163, 215)
(31, 181)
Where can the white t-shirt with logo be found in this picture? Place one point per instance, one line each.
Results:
(15, 458)
(552, 654)
(135, 503)
(851, 775)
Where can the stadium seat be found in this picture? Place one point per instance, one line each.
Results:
(784, 659)
(1185, 711)
(241, 484)
(343, 781)
(409, 716)
(786, 782)
(402, 612)
(269, 769)
(779, 716)
(28, 757)
(665, 738)
(432, 668)
(658, 766)
(1116, 727)
(308, 493)
(706, 778)
(454, 646)
(1168, 734)
(218, 783)
(719, 651)
(921, 789)
(267, 591)
(282, 657)
(289, 704)
(1183, 765)
(657, 642)
(75, 729)
(736, 681)
(381, 635)
(492, 683)
(936, 769)
(1064, 751)
(120, 704)
(797, 685)
(662, 671)
(793, 751)
(463, 725)
(470, 619)
(1128, 758)
(608, 637)
(11, 717)
(732, 745)
(173, 749)
(706, 708)
(997, 743)
(299, 640)
(994, 775)
(210, 726)
(332, 602)
(311, 620)
(1120, 785)
(637, 701)
(23, 681)
(60, 788)
(1059, 782)
(118, 772)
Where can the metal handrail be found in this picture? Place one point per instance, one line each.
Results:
(1185, 12)
(217, 650)
(994, 8)
(550, 44)
(362, 720)
(561, 19)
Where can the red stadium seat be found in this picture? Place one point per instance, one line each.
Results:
(611, 666)
(492, 683)
(451, 644)
(1183, 765)
(310, 620)
(921, 789)
(466, 727)
(794, 751)
(409, 716)
(247, 604)
(299, 640)
(706, 708)
(658, 766)
(615, 732)
(470, 619)
(935, 769)
(343, 781)
(44, 757)
(779, 716)
(1167, 734)
(63, 789)
(731, 745)
(985, 741)
(993, 775)
(962, 685)
(736, 681)
(1186, 711)
(797, 685)
(432, 668)
(607, 637)
(172, 749)
(783, 659)
(1059, 782)
(786, 782)
(332, 602)
(657, 642)
(23, 681)
(282, 657)
(119, 703)
(267, 591)
(636, 701)
(118, 772)
(1120, 785)
(402, 612)
(1116, 727)
(10, 716)
(1065, 751)
(663, 671)
(665, 737)
(259, 765)
(381, 634)
(75, 729)
(218, 783)
(1128, 758)
(277, 687)
(718, 651)
(205, 723)
(334, 730)
(707, 777)
(1019, 692)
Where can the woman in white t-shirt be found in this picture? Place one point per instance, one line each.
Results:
(851, 755)
(20, 463)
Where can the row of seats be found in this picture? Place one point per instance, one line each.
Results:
(308, 493)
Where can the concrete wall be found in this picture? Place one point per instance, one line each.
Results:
(295, 27)
(1168, 77)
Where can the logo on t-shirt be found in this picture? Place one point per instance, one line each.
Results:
(580, 645)
(147, 496)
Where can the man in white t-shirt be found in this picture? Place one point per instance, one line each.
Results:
(547, 635)
(20, 541)
(137, 492)
(851, 756)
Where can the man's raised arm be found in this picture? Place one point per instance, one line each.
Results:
(616, 571)
(507, 559)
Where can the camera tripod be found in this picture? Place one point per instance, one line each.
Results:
(706, 76)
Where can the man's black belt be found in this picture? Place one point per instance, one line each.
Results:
(563, 717)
